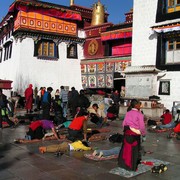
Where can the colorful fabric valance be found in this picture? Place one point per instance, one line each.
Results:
(45, 9)
(115, 35)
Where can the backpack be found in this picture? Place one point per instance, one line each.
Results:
(116, 138)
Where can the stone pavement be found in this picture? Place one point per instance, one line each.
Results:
(23, 161)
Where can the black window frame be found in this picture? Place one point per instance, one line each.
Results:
(167, 84)
(8, 50)
(75, 54)
(1, 53)
(161, 54)
(161, 13)
(48, 57)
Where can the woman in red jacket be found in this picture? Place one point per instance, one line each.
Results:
(78, 127)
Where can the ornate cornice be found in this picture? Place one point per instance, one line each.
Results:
(20, 35)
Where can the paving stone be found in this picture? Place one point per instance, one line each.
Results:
(4, 174)
(24, 162)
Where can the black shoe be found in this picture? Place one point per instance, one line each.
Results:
(58, 154)
(156, 169)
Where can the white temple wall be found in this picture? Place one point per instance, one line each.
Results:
(174, 78)
(144, 44)
(9, 68)
(25, 69)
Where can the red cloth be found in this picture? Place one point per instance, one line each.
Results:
(101, 92)
(34, 125)
(29, 97)
(49, 11)
(167, 118)
(111, 115)
(177, 128)
(77, 123)
(127, 150)
(148, 163)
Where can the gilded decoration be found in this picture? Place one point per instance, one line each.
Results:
(36, 21)
(93, 47)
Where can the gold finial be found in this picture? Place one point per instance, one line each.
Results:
(98, 14)
(71, 2)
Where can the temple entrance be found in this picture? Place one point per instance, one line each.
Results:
(118, 83)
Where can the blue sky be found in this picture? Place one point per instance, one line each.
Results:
(115, 8)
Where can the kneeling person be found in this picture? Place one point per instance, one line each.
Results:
(78, 127)
(37, 129)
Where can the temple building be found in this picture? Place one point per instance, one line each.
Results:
(47, 44)
(155, 64)
(41, 44)
(107, 51)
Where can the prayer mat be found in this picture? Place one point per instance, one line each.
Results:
(96, 130)
(5, 124)
(97, 137)
(96, 158)
(145, 166)
(159, 130)
(103, 130)
(24, 141)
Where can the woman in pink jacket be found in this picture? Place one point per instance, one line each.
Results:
(134, 127)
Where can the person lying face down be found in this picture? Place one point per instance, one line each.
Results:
(37, 129)
(65, 147)
(109, 152)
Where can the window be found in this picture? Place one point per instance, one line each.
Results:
(72, 51)
(168, 52)
(173, 6)
(167, 10)
(46, 49)
(7, 50)
(164, 87)
(121, 48)
(173, 51)
(1, 55)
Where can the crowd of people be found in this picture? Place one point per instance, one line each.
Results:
(76, 105)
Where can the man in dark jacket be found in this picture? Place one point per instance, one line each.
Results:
(46, 103)
(83, 102)
(73, 98)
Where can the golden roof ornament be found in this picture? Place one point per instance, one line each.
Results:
(98, 14)
(71, 2)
